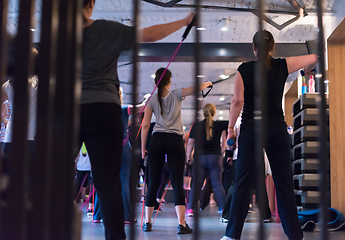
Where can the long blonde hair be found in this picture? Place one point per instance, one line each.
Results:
(209, 112)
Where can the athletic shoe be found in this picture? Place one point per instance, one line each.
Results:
(89, 212)
(184, 229)
(251, 210)
(130, 221)
(147, 227)
(96, 221)
(189, 212)
(155, 210)
(224, 220)
(228, 238)
(268, 220)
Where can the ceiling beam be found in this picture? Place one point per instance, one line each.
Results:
(211, 52)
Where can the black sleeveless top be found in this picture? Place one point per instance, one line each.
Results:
(276, 78)
(213, 145)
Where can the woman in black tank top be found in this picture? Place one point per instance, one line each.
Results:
(278, 140)
(209, 156)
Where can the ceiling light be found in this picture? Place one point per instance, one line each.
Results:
(153, 76)
(201, 28)
(318, 75)
(221, 99)
(32, 29)
(224, 24)
(221, 112)
(201, 76)
(184, 127)
(326, 81)
(221, 118)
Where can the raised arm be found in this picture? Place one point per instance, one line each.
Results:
(140, 106)
(296, 63)
(158, 32)
(190, 91)
(236, 104)
(145, 130)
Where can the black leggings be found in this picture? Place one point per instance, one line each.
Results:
(172, 145)
(101, 130)
(81, 175)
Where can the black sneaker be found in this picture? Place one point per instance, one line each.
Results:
(184, 229)
(147, 227)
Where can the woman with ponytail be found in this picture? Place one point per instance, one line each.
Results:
(208, 154)
(100, 111)
(277, 144)
(167, 139)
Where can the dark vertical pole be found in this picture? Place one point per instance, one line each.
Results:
(45, 103)
(134, 127)
(196, 171)
(260, 112)
(18, 200)
(65, 123)
(3, 54)
(323, 139)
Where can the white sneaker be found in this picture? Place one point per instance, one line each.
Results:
(228, 238)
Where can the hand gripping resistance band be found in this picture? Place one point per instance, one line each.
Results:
(184, 36)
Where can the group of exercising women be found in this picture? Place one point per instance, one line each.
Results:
(102, 131)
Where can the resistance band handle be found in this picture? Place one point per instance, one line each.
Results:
(188, 29)
(205, 95)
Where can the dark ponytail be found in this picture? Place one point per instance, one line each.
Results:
(165, 81)
(268, 47)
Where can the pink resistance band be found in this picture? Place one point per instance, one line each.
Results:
(126, 139)
(184, 36)
(172, 59)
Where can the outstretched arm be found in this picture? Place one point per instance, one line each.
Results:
(296, 63)
(158, 32)
(190, 91)
(140, 106)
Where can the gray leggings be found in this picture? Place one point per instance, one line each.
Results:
(209, 165)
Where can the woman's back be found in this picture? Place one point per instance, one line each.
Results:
(212, 146)
(276, 78)
(102, 44)
(170, 121)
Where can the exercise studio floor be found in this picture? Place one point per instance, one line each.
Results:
(165, 227)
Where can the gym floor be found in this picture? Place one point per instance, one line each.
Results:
(165, 227)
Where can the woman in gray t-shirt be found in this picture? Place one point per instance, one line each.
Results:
(166, 140)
